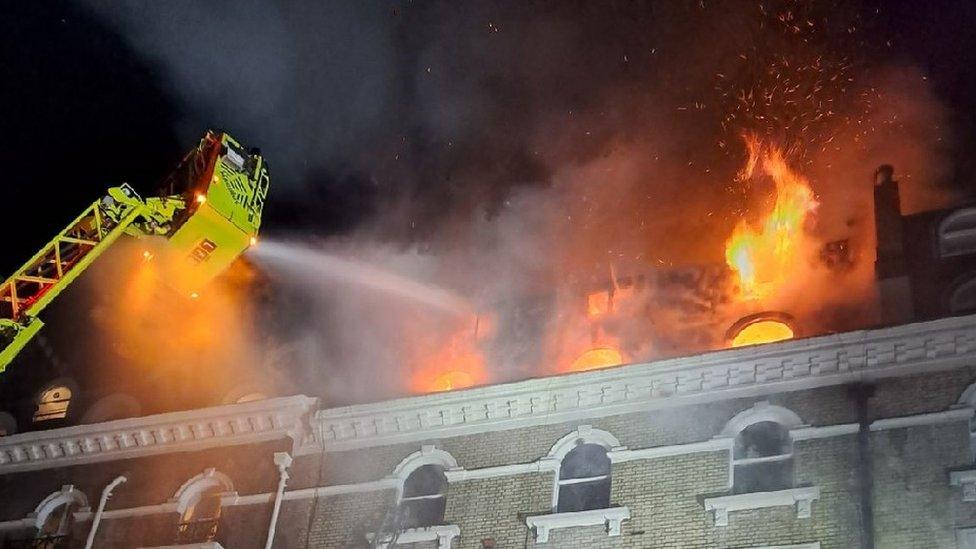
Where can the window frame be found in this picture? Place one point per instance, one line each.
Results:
(584, 434)
(966, 233)
(428, 455)
(761, 412)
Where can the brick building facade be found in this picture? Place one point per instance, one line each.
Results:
(859, 439)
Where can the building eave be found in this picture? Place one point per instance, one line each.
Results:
(189, 430)
(835, 359)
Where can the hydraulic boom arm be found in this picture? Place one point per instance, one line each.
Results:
(211, 215)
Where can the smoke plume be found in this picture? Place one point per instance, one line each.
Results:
(531, 158)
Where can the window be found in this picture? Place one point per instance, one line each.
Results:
(584, 479)
(53, 403)
(957, 233)
(963, 296)
(423, 501)
(55, 518)
(966, 538)
(198, 523)
(112, 407)
(198, 502)
(56, 527)
(762, 458)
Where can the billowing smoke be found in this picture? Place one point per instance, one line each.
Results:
(533, 158)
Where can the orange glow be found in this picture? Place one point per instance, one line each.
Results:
(201, 198)
(596, 358)
(147, 255)
(458, 364)
(763, 331)
(449, 370)
(762, 257)
(598, 304)
(254, 241)
(451, 380)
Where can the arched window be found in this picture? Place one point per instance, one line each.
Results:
(762, 453)
(584, 479)
(198, 502)
(957, 233)
(112, 407)
(8, 424)
(55, 516)
(422, 494)
(424, 497)
(198, 523)
(968, 398)
(53, 403)
(963, 296)
(762, 458)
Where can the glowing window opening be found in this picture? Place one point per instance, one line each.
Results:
(53, 404)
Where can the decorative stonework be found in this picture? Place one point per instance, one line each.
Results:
(766, 369)
(164, 433)
(444, 535)
(967, 480)
(206, 545)
(802, 498)
(611, 519)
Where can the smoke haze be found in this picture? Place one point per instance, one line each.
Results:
(515, 155)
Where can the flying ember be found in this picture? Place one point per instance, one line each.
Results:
(763, 256)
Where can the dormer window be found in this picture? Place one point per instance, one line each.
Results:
(957, 233)
(53, 404)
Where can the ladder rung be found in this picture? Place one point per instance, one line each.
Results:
(77, 240)
(36, 279)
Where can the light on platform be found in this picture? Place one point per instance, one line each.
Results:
(201, 198)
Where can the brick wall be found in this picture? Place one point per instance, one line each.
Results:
(914, 506)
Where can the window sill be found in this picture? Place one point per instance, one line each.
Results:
(802, 498)
(966, 479)
(442, 534)
(204, 545)
(611, 518)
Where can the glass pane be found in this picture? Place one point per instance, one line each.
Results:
(425, 481)
(763, 439)
(763, 477)
(423, 512)
(584, 461)
(584, 496)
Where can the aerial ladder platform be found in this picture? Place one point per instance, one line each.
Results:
(208, 213)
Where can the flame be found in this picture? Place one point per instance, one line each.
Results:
(762, 257)
(764, 331)
(596, 358)
(456, 365)
(451, 380)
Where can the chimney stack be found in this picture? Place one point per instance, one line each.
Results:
(890, 269)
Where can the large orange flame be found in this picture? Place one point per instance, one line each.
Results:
(762, 257)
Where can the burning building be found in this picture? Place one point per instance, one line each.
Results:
(779, 430)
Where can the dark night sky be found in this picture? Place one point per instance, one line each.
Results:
(93, 94)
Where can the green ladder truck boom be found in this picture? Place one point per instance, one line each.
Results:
(209, 214)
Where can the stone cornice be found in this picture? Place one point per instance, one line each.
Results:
(751, 371)
(164, 433)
